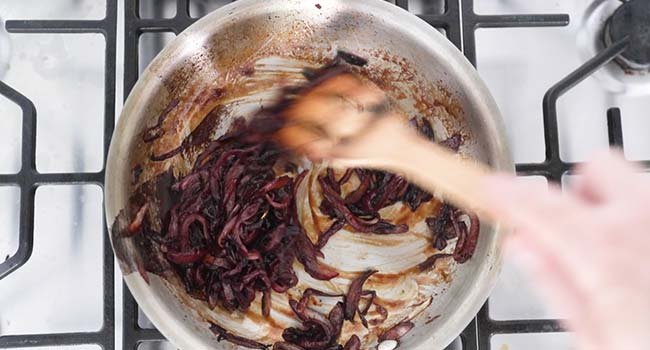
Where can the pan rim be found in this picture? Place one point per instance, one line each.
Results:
(170, 325)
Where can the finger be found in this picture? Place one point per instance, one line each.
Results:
(551, 278)
(544, 215)
(528, 205)
(606, 177)
(555, 282)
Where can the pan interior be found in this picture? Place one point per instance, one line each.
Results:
(234, 62)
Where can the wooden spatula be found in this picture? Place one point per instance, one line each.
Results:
(349, 122)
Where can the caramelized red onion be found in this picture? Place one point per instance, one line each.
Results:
(364, 311)
(337, 209)
(382, 312)
(282, 345)
(156, 131)
(225, 335)
(325, 236)
(309, 292)
(321, 333)
(438, 227)
(465, 251)
(351, 58)
(453, 142)
(354, 294)
(431, 261)
(353, 343)
(136, 225)
(397, 331)
(377, 189)
(307, 255)
(318, 331)
(448, 225)
(234, 231)
(336, 318)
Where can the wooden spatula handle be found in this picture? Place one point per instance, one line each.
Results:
(390, 145)
(438, 170)
(353, 133)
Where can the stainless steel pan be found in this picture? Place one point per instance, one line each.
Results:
(235, 57)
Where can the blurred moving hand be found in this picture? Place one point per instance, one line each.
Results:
(588, 249)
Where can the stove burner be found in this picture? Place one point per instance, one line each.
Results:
(631, 20)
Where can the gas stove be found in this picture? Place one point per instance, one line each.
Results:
(570, 77)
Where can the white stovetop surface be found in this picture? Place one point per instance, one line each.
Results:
(59, 289)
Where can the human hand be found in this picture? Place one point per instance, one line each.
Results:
(587, 249)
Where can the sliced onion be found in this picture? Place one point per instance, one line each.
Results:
(397, 331)
(225, 335)
(353, 343)
(354, 294)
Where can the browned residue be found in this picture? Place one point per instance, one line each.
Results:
(406, 216)
(320, 222)
(430, 99)
(258, 317)
(442, 268)
(446, 275)
(432, 319)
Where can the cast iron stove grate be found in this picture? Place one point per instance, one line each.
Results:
(28, 179)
